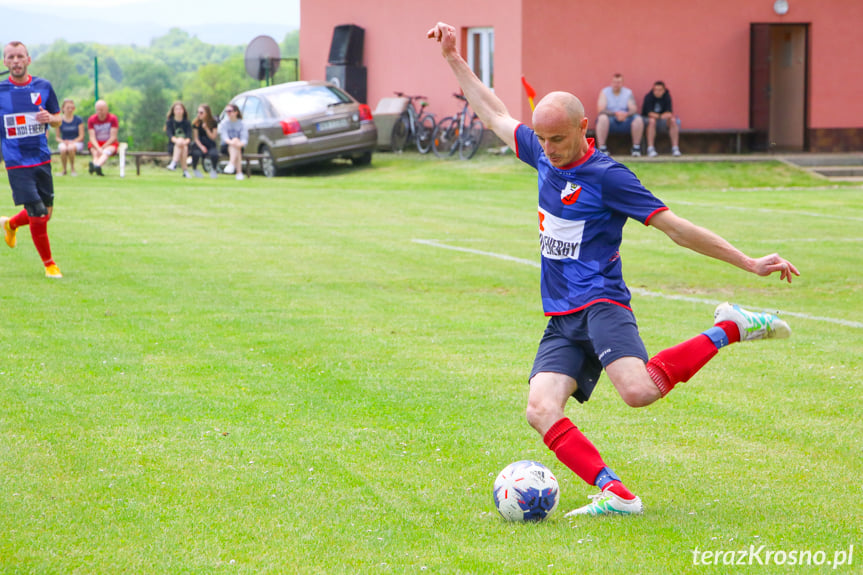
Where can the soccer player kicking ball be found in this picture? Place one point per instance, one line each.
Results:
(585, 198)
(27, 104)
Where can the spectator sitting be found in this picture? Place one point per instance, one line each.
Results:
(618, 113)
(658, 114)
(103, 127)
(70, 136)
(234, 136)
(205, 130)
(179, 132)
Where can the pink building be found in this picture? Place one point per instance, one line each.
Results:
(782, 73)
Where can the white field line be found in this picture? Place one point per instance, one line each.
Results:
(768, 211)
(793, 189)
(638, 291)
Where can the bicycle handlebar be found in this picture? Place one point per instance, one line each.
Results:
(403, 95)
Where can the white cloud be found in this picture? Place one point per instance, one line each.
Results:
(41, 5)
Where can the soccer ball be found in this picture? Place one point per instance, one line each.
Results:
(526, 491)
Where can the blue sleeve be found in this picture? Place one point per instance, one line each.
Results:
(52, 105)
(623, 192)
(527, 147)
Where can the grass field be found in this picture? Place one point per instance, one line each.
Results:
(274, 376)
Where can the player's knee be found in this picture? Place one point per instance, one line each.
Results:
(641, 394)
(36, 210)
(541, 414)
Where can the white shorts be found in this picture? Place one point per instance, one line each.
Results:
(79, 147)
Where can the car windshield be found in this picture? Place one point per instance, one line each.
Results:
(307, 100)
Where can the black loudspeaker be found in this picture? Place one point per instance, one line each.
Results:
(351, 79)
(347, 45)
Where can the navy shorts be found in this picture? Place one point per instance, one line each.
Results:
(580, 344)
(617, 127)
(32, 184)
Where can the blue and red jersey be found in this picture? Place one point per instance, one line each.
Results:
(23, 139)
(582, 211)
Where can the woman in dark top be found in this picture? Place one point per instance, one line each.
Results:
(205, 130)
(70, 136)
(179, 132)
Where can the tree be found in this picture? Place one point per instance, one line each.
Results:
(145, 71)
(148, 121)
(59, 68)
(216, 84)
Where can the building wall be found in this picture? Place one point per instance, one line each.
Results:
(699, 48)
(397, 53)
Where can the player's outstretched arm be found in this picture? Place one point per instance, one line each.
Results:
(487, 106)
(701, 240)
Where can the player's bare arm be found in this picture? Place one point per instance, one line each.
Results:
(112, 139)
(43, 116)
(602, 104)
(487, 106)
(701, 240)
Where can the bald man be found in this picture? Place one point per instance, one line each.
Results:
(585, 198)
(103, 127)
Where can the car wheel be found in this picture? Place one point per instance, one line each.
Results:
(268, 162)
(363, 160)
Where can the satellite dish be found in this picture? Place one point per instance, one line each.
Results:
(262, 58)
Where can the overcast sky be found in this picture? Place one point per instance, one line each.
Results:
(47, 20)
(168, 11)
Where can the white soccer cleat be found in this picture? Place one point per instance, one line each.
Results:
(752, 324)
(608, 503)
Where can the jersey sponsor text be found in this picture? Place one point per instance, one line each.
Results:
(559, 238)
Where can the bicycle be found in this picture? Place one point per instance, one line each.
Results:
(461, 132)
(413, 125)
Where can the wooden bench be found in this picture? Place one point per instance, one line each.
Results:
(140, 156)
(736, 133)
(619, 143)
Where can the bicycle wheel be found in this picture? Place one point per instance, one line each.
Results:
(425, 133)
(445, 139)
(471, 140)
(399, 136)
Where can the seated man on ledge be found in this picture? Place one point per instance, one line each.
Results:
(659, 116)
(103, 127)
(617, 112)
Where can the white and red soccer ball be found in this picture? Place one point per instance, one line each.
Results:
(526, 491)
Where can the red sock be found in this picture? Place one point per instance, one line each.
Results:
(679, 363)
(19, 219)
(731, 330)
(39, 232)
(619, 489)
(574, 450)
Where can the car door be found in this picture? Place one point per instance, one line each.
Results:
(255, 119)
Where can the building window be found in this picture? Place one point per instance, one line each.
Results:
(480, 54)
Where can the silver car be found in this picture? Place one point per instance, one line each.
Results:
(304, 122)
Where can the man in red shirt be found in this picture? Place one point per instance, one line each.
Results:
(103, 127)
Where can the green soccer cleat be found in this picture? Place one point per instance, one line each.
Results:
(608, 503)
(752, 324)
